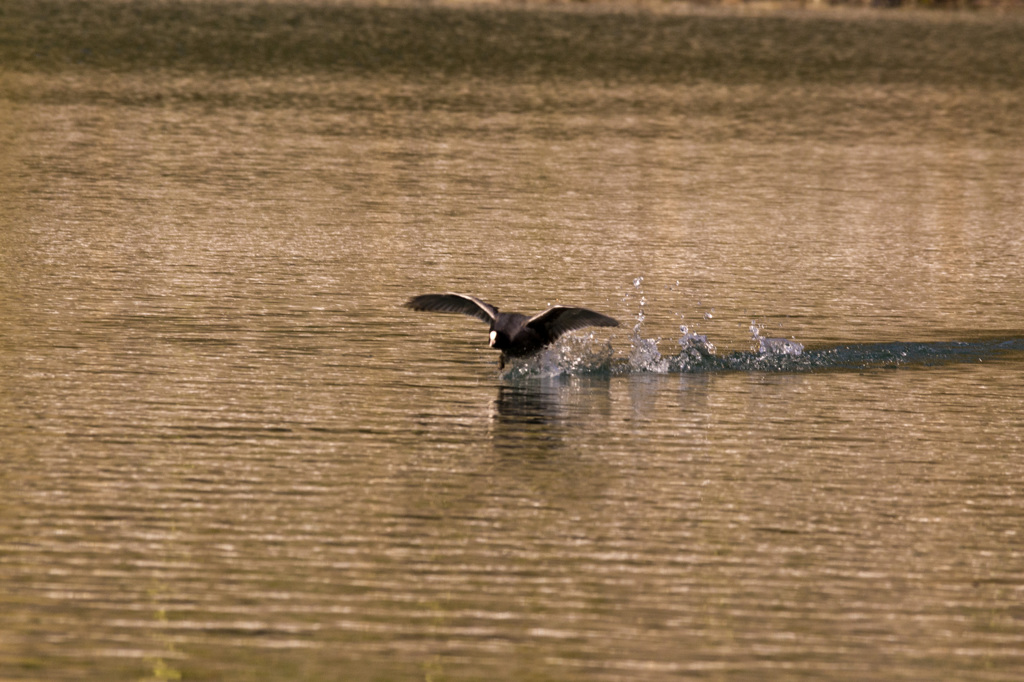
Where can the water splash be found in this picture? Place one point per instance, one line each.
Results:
(644, 355)
(574, 355)
(766, 346)
(694, 350)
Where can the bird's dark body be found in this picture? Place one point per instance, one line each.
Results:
(514, 334)
(513, 327)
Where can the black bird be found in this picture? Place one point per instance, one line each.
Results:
(515, 335)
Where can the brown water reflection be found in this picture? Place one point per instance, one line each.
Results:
(228, 452)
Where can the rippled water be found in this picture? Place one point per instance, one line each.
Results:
(229, 453)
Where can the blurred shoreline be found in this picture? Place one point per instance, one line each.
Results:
(752, 5)
(888, 7)
(611, 41)
(676, 6)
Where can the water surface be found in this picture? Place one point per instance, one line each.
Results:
(228, 452)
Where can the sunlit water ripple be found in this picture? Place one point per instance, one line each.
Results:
(228, 452)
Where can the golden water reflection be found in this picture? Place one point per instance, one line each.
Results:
(228, 452)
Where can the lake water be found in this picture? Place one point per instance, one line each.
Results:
(229, 453)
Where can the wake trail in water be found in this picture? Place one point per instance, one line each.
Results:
(774, 355)
(583, 355)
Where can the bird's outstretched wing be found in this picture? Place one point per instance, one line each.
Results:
(454, 303)
(558, 320)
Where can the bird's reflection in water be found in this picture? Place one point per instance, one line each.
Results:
(536, 402)
(543, 414)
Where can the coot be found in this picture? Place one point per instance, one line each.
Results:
(514, 334)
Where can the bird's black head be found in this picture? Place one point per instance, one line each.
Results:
(499, 340)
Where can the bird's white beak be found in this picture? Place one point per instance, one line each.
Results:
(494, 337)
